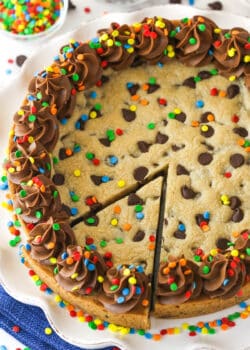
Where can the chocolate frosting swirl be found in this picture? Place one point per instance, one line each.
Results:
(55, 90)
(49, 240)
(27, 162)
(153, 38)
(229, 52)
(194, 40)
(124, 288)
(81, 64)
(178, 282)
(37, 200)
(223, 275)
(40, 125)
(80, 270)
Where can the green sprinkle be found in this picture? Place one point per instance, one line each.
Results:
(23, 193)
(17, 223)
(248, 251)
(141, 332)
(197, 258)
(114, 287)
(4, 178)
(110, 135)
(192, 41)
(236, 314)
(90, 221)
(12, 243)
(18, 153)
(202, 27)
(192, 328)
(18, 211)
(206, 269)
(38, 283)
(75, 198)
(197, 79)
(45, 104)
(55, 271)
(92, 325)
(118, 43)
(103, 243)
(75, 77)
(213, 71)
(151, 126)
(56, 226)
(55, 194)
(63, 71)
(152, 80)
(211, 331)
(32, 118)
(185, 20)
(227, 35)
(98, 106)
(173, 287)
(66, 49)
(171, 115)
(247, 143)
(173, 33)
(119, 240)
(17, 239)
(89, 155)
(39, 95)
(48, 166)
(138, 208)
(39, 215)
(55, 160)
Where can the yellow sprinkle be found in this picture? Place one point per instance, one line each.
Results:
(171, 54)
(185, 326)
(77, 172)
(177, 111)
(81, 319)
(231, 52)
(121, 183)
(160, 24)
(104, 37)
(58, 299)
(11, 170)
(177, 330)
(11, 133)
(130, 50)
(35, 278)
(115, 33)
(246, 58)
(132, 280)
(217, 30)
(74, 275)
(126, 272)
(97, 321)
(213, 252)
(133, 108)
(112, 327)
(204, 330)
(114, 222)
(124, 330)
(48, 331)
(232, 78)
(234, 252)
(30, 139)
(93, 114)
(131, 41)
(72, 41)
(30, 183)
(53, 261)
(204, 128)
(110, 42)
(32, 160)
(170, 48)
(100, 279)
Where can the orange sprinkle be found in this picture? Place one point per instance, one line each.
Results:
(210, 117)
(187, 272)
(117, 209)
(80, 313)
(212, 324)
(166, 271)
(69, 54)
(87, 255)
(53, 110)
(224, 327)
(70, 307)
(183, 262)
(127, 227)
(195, 123)
(170, 331)
(222, 93)
(135, 97)
(205, 228)
(241, 142)
(42, 155)
(145, 302)
(80, 57)
(165, 32)
(200, 324)
(244, 314)
(42, 188)
(201, 19)
(247, 149)
(68, 152)
(156, 337)
(69, 260)
(235, 234)
(50, 245)
(94, 199)
(56, 69)
(172, 264)
(151, 246)
(144, 102)
(145, 87)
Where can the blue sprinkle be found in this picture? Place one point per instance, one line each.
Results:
(10, 202)
(132, 331)
(219, 322)
(198, 330)
(61, 304)
(64, 121)
(131, 266)
(125, 291)
(181, 227)
(56, 58)
(225, 282)
(243, 305)
(159, 64)
(105, 323)
(105, 179)
(8, 71)
(86, 262)
(95, 40)
(84, 117)
(77, 125)
(126, 46)
(93, 94)
(4, 186)
(64, 255)
(10, 223)
(113, 160)
(137, 290)
(22, 261)
(77, 148)
(148, 335)
(118, 267)
(71, 193)
(41, 170)
(129, 85)
(28, 246)
(76, 44)
(140, 268)
(31, 98)
(49, 291)
(91, 267)
(120, 300)
(199, 104)
(44, 74)
(39, 8)
(206, 215)
(3, 347)
(211, 52)
(92, 246)
(139, 216)
(74, 211)
(177, 29)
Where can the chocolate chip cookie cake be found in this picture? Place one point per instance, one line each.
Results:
(128, 166)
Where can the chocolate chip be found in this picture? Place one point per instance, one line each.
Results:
(161, 138)
(232, 91)
(237, 160)
(71, 5)
(105, 142)
(97, 180)
(140, 173)
(134, 199)
(205, 158)
(209, 147)
(187, 192)
(216, 5)
(62, 154)
(66, 209)
(143, 146)
(58, 179)
(181, 170)
(177, 148)
(203, 118)
(152, 88)
(133, 89)
(238, 215)
(189, 82)
(175, 1)
(165, 221)
(128, 115)
(209, 132)
(181, 117)
(139, 236)
(204, 74)
(199, 218)
(222, 243)
(241, 131)
(235, 202)
(20, 59)
(180, 234)
(105, 79)
(92, 221)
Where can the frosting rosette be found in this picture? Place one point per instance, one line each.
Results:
(27, 162)
(53, 90)
(153, 42)
(232, 53)
(242, 245)
(178, 281)
(80, 270)
(116, 46)
(80, 63)
(223, 275)
(31, 124)
(194, 40)
(49, 240)
(37, 200)
(124, 288)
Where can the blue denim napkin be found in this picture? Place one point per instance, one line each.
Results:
(32, 323)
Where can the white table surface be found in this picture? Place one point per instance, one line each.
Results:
(86, 10)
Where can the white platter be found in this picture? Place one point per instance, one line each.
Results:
(14, 276)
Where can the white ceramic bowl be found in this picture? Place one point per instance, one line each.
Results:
(46, 33)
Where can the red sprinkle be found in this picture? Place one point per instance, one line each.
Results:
(192, 334)
(72, 313)
(163, 332)
(88, 318)
(228, 174)
(162, 101)
(104, 64)
(31, 273)
(10, 60)
(152, 238)
(214, 92)
(96, 161)
(89, 240)
(235, 118)
(87, 9)
(16, 329)
(119, 132)
(217, 43)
